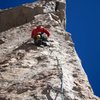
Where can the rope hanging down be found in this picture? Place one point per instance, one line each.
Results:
(61, 77)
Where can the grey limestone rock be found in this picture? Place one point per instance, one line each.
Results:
(28, 72)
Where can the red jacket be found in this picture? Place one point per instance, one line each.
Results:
(39, 29)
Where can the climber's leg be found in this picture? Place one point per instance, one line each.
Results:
(37, 41)
(44, 43)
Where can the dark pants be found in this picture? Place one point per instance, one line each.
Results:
(40, 41)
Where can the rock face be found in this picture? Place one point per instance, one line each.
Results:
(50, 72)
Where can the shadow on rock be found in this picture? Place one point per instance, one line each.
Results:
(46, 91)
(27, 47)
(1, 41)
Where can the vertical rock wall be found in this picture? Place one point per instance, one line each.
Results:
(53, 72)
(15, 17)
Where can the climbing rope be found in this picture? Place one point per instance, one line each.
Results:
(61, 78)
(57, 90)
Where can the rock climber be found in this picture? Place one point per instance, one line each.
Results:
(40, 36)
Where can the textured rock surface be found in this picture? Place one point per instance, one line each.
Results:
(28, 72)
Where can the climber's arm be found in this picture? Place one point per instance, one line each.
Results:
(45, 31)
